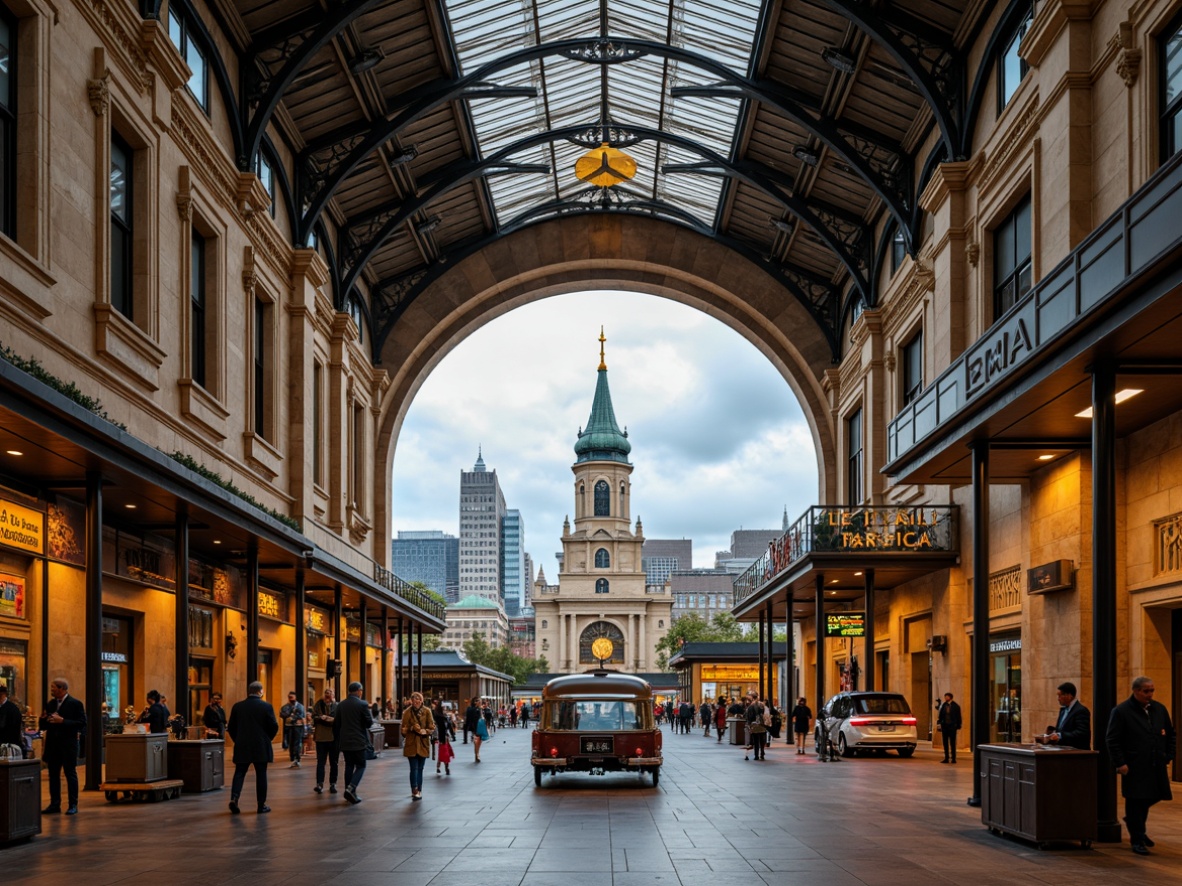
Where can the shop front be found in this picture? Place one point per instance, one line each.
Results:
(709, 671)
(1005, 687)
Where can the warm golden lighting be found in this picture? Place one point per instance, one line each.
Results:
(15, 452)
(602, 648)
(1045, 457)
(605, 166)
(1120, 397)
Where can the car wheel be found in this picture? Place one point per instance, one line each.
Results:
(906, 752)
(844, 749)
(537, 776)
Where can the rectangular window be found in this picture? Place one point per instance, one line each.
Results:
(853, 427)
(7, 123)
(267, 176)
(1171, 90)
(912, 368)
(180, 32)
(898, 249)
(1011, 67)
(1011, 259)
(261, 356)
(317, 419)
(122, 297)
(197, 308)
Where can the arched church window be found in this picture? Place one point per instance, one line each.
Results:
(602, 559)
(592, 633)
(603, 505)
(623, 492)
(601, 586)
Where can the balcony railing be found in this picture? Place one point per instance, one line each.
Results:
(837, 529)
(415, 596)
(1128, 243)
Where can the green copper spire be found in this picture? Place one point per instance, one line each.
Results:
(602, 439)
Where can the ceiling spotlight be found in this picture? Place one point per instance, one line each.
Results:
(367, 61)
(406, 156)
(1045, 457)
(804, 155)
(130, 507)
(835, 581)
(839, 60)
(217, 541)
(781, 225)
(1120, 397)
(857, 573)
(15, 452)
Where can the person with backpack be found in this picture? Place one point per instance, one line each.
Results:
(756, 715)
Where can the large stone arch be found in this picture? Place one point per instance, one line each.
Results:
(610, 251)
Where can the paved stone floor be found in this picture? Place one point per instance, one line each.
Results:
(789, 820)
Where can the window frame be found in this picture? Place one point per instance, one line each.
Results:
(122, 298)
(179, 18)
(1008, 226)
(263, 164)
(602, 586)
(606, 559)
(1169, 112)
(9, 114)
(1012, 45)
(198, 307)
(854, 458)
(898, 248)
(909, 353)
(602, 495)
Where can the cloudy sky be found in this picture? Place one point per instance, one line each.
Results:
(719, 442)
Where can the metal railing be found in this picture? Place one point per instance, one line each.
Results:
(415, 596)
(837, 529)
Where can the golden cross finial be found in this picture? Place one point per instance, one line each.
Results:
(602, 339)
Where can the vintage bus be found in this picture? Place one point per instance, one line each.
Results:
(597, 722)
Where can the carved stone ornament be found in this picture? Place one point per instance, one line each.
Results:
(888, 361)
(924, 273)
(972, 252)
(99, 92)
(1128, 59)
(184, 206)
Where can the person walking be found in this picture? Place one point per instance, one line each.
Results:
(705, 715)
(252, 726)
(479, 735)
(324, 714)
(417, 727)
(801, 715)
(350, 728)
(63, 720)
(1073, 729)
(214, 717)
(446, 733)
(293, 714)
(720, 717)
(525, 716)
(1140, 741)
(948, 721)
(756, 727)
(471, 715)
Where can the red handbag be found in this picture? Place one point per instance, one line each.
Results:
(446, 754)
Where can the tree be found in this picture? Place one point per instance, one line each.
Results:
(692, 628)
(478, 651)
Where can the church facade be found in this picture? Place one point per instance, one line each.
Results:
(601, 590)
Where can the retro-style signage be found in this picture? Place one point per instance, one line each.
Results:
(21, 527)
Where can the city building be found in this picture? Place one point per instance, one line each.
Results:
(704, 592)
(747, 546)
(514, 574)
(602, 590)
(661, 556)
(473, 615)
(523, 634)
(431, 557)
(527, 597)
(482, 515)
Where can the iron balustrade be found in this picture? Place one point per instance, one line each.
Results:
(404, 589)
(843, 529)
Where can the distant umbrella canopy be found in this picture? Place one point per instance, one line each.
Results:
(605, 166)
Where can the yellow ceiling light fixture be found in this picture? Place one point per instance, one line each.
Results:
(605, 166)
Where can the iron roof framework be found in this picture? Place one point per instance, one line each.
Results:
(423, 130)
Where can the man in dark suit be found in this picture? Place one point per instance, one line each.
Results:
(11, 722)
(471, 715)
(155, 715)
(1140, 741)
(252, 726)
(948, 718)
(62, 722)
(1073, 729)
(350, 727)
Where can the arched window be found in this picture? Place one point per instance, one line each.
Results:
(623, 510)
(602, 559)
(601, 586)
(594, 632)
(603, 504)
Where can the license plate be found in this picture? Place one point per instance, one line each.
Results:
(890, 727)
(596, 745)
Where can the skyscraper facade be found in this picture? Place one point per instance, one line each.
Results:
(662, 556)
(482, 512)
(513, 572)
(432, 557)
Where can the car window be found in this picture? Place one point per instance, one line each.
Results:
(882, 704)
(597, 714)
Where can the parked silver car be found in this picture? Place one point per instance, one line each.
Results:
(861, 721)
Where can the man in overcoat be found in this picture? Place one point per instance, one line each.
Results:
(1140, 742)
(350, 726)
(949, 719)
(63, 721)
(252, 726)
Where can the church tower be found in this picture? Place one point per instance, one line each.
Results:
(601, 586)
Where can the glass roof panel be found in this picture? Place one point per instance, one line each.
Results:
(569, 92)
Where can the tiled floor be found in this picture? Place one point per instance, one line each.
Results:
(715, 819)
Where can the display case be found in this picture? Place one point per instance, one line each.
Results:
(201, 764)
(1042, 794)
(20, 799)
(137, 758)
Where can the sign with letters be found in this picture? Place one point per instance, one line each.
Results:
(845, 624)
(21, 527)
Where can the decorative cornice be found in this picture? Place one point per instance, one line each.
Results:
(1020, 132)
(164, 56)
(118, 26)
(1128, 56)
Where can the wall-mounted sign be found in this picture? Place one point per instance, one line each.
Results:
(1058, 575)
(21, 527)
(272, 605)
(845, 624)
(113, 657)
(67, 527)
(1007, 644)
(12, 595)
(730, 673)
(315, 620)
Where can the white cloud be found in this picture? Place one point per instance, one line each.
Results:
(719, 441)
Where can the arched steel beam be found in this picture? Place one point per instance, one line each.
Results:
(317, 28)
(350, 145)
(1006, 27)
(819, 298)
(910, 43)
(769, 182)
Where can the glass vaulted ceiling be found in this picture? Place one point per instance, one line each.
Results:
(569, 94)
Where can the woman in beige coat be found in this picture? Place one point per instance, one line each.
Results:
(417, 728)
